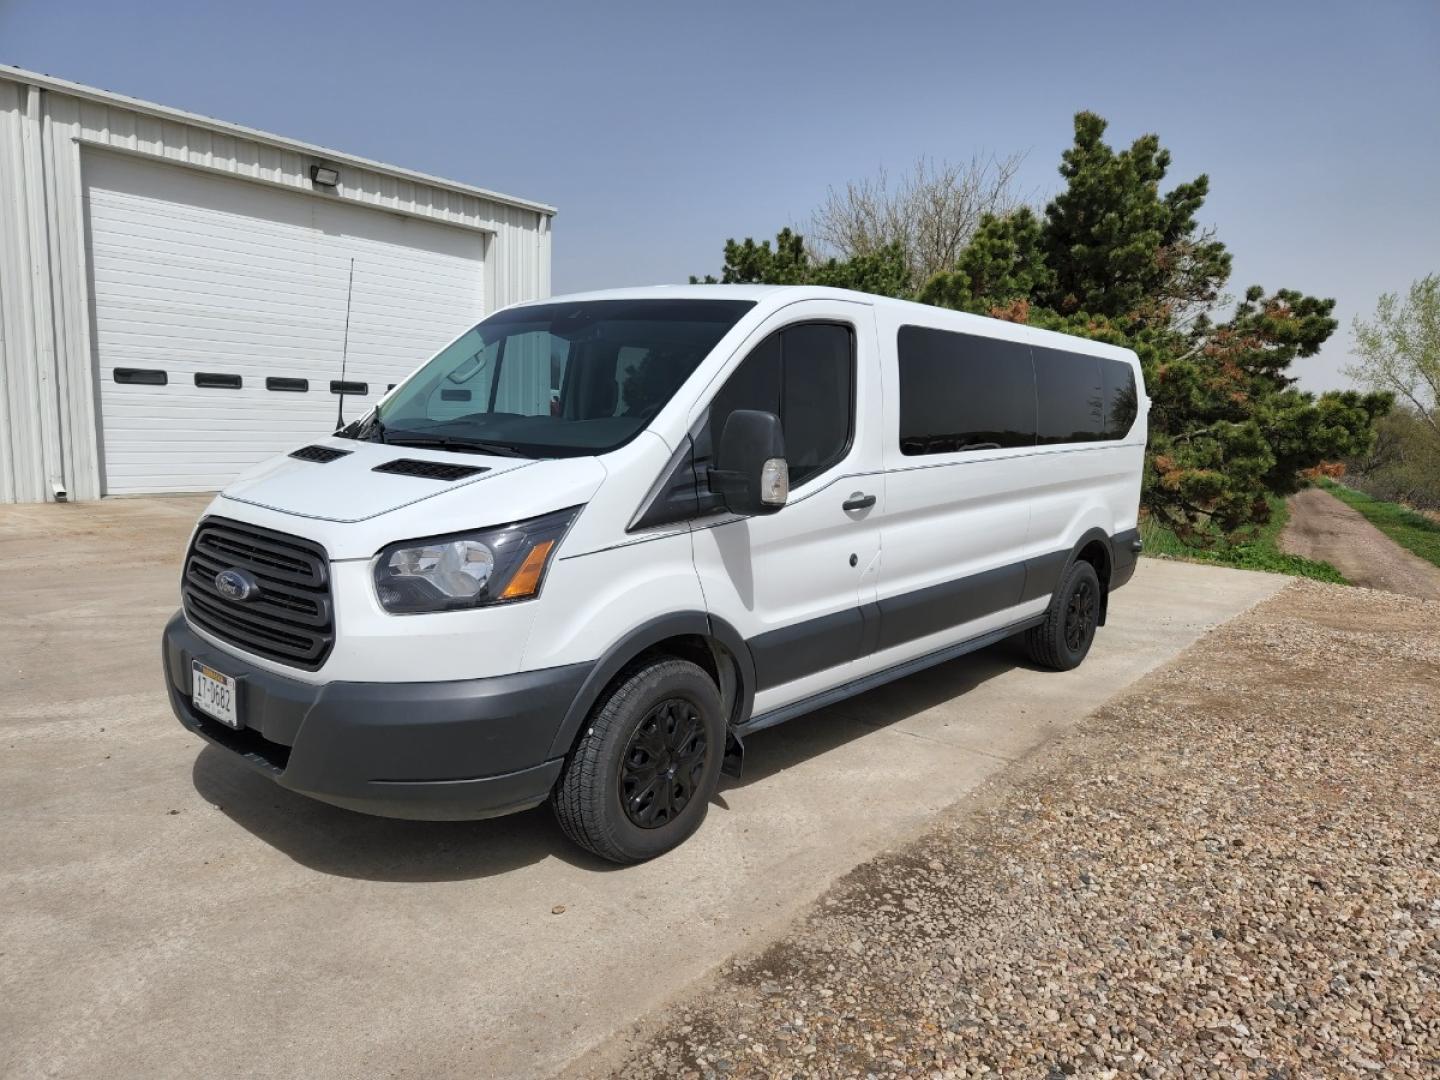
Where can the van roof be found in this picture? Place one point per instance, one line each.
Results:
(706, 292)
(774, 296)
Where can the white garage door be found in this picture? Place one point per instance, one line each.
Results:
(220, 316)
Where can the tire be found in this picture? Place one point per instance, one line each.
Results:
(1063, 639)
(660, 731)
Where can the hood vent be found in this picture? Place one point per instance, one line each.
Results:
(429, 470)
(318, 454)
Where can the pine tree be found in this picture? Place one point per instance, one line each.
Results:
(1119, 248)
(1119, 261)
(1004, 262)
(1116, 259)
(883, 272)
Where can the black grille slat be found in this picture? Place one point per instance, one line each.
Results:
(300, 597)
(291, 619)
(253, 627)
(318, 454)
(429, 470)
(260, 555)
(276, 605)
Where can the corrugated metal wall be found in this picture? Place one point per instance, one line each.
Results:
(48, 421)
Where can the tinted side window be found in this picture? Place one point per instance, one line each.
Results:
(816, 396)
(963, 392)
(1121, 400)
(1070, 400)
(805, 375)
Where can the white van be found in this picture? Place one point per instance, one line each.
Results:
(598, 540)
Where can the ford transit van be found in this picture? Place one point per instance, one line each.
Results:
(596, 542)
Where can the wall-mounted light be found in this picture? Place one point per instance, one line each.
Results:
(324, 176)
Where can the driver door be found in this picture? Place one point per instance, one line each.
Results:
(799, 584)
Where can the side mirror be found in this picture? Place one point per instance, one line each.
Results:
(750, 472)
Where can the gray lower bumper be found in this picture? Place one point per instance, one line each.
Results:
(434, 751)
(1124, 553)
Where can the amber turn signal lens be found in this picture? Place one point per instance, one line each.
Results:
(526, 581)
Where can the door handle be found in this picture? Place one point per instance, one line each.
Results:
(858, 501)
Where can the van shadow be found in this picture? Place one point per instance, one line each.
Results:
(776, 749)
(342, 843)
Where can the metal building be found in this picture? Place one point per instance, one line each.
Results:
(176, 292)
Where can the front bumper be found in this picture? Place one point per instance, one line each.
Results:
(435, 751)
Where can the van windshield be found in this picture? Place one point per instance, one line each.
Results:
(554, 380)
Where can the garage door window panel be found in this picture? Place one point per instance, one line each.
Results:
(212, 380)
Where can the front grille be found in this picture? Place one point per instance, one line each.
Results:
(429, 470)
(289, 620)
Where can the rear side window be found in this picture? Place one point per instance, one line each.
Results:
(1122, 403)
(804, 374)
(961, 392)
(1070, 400)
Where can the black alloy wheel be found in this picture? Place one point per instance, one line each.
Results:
(647, 762)
(664, 763)
(1062, 638)
(1080, 614)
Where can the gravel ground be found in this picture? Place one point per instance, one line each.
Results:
(1322, 527)
(1231, 870)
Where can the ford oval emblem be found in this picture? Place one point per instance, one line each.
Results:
(236, 584)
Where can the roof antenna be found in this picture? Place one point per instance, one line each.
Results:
(345, 349)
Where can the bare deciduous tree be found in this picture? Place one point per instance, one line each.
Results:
(931, 211)
(1400, 350)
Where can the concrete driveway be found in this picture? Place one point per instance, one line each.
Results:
(165, 912)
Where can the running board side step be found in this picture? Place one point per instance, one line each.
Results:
(879, 678)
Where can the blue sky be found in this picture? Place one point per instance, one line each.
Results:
(660, 129)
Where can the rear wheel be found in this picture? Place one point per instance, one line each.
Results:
(1063, 639)
(641, 779)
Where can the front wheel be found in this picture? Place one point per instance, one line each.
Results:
(1063, 639)
(643, 774)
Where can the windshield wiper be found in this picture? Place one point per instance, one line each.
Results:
(457, 443)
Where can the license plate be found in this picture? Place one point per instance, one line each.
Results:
(213, 693)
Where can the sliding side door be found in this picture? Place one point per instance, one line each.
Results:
(958, 448)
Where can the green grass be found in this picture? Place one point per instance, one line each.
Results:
(1412, 531)
(1259, 551)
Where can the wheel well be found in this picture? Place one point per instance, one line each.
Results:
(1097, 553)
(708, 654)
(703, 639)
(690, 647)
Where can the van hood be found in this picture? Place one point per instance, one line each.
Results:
(347, 489)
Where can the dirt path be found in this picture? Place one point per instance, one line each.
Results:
(1322, 527)
(1231, 870)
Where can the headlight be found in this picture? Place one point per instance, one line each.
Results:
(468, 570)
